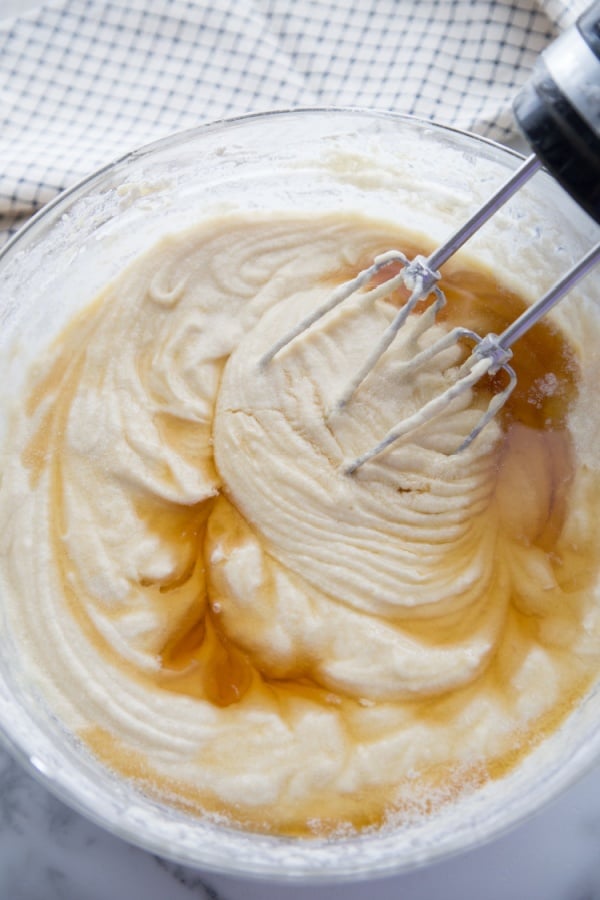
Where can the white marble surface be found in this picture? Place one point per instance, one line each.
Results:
(48, 852)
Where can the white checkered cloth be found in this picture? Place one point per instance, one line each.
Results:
(83, 81)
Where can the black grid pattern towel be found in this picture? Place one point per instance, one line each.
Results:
(82, 81)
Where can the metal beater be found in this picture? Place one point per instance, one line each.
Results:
(558, 112)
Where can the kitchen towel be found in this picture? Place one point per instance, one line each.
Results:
(84, 81)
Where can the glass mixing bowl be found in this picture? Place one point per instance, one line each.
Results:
(430, 177)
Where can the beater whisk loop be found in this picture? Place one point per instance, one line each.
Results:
(421, 281)
(343, 292)
(487, 358)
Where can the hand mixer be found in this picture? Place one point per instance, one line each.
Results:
(558, 112)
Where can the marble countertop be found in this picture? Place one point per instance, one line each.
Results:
(48, 852)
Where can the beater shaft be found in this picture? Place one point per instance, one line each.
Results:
(516, 181)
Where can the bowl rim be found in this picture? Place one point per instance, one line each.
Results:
(175, 138)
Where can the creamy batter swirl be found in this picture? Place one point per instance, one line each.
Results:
(218, 610)
(357, 555)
